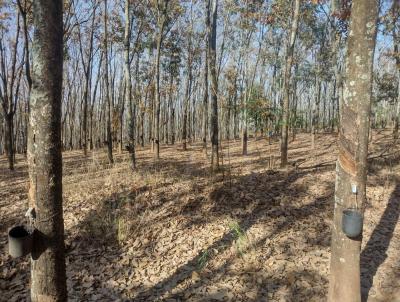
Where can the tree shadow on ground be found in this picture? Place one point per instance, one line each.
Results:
(262, 204)
(374, 253)
(91, 246)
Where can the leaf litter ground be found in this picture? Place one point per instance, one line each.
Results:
(172, 231)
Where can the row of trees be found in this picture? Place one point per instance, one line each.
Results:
(268, 67)
(42, 88)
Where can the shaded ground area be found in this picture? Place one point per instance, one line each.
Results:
(172, 231)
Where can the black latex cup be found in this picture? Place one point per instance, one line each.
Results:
(19, 241)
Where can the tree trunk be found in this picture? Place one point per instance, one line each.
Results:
(128, 87)
(244, 138)
(351, 166)
(294, 117)
(45, 162)
(88, 73)
(85, 111)
(96, 85)
(244, 127)
(188, 122)
(142, 128)
(186, 103)
(23, 11)
(169, 111)
(235, 110)
(8, 92)
(193, 119)
(395, 36)
(8, 139)
(214, 89)
(335, 41)
(286, 88)
(205, 97)
(161, 24)
(184, 124)
(228, 119)
(173, 126)
(109, 109)
(396, 117)
(315, 112)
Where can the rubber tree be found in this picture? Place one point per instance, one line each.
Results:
(335, 40)
(23, 9)
(10, 78)
(188, 89)
(351, 165)
(48, 276)
(395, 11)
(128, 85)
(316, 105)
(214, 85)
(188, 86)
(162, 6)
(87, 64)
(206, 85)
(286, 83)
(107, 88)
(246, 82)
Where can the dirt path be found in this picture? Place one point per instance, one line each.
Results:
(174, 232)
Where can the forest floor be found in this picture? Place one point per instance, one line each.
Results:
(172, 231)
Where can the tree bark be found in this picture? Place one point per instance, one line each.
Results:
(169, 111)
(186, 101)
(205, 97)
(286, 88)
(315, 111)
(87, 72)
(45, 162)
(214, 88)
(128, 87)
(96, 85)
(244, 127)
(351, 166)
(396, 42)
(23, 12)
(162, 12)
(8, 137)
(173, 125)
(109, 110)
(8, 91)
